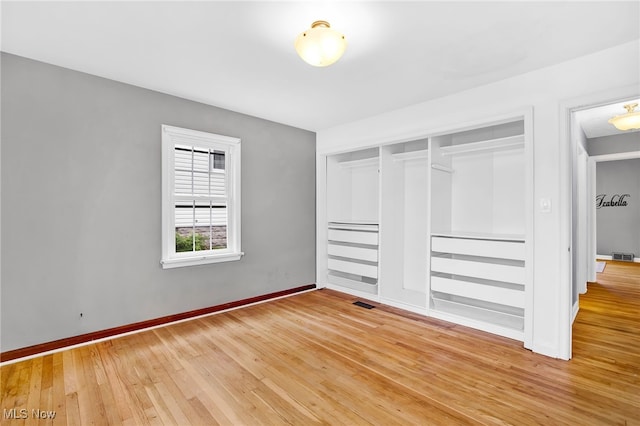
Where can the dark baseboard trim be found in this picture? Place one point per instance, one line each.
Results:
(110, 332)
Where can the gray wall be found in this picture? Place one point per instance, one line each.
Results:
(81, 205)
(619, 227)
(625, 142)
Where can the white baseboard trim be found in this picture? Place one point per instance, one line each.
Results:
(574, 314)
(405, 306)
(354, 292)
(609, 257)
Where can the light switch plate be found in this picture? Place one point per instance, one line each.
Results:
(545, 205)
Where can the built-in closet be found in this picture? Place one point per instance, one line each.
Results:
(353, 220)
(478, 228)
(440, 225)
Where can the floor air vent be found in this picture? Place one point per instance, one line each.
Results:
(363, 305)
(624, 257)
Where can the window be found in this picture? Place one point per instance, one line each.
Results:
(200, 198)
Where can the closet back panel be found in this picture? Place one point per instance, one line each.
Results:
(472, 193)
(338, 191)
(509, 192)
(364, 193)
(415, 224)
(352, 188)
(441, 182)
(487, 193)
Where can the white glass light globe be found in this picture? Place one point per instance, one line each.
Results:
(628, 121)
(320, 45)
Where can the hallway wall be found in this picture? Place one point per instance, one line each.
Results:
(618, 207)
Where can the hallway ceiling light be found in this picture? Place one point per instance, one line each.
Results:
(320, 45)
(628, 121)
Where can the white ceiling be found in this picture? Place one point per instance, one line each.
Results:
(240, 55)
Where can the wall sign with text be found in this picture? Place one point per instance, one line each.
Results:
(615, 200)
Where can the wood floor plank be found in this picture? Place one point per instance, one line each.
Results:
(58, 393)
(315, 358)
(68, 374)
(33, 397)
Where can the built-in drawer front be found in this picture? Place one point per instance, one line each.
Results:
(481, 280)
(488, 293)
(357, 253)
(484, 270)
(354, 268)
(481, 248)
(353, 251)
(353, 236)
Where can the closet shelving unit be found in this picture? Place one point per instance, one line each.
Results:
(352, 228)
(478, 259)
(404, 212)
(439, 225)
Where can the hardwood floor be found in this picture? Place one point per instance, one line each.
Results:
(315, 358)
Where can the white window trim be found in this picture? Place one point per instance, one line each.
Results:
(176, 135)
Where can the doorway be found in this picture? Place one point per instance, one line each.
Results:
(592, 140)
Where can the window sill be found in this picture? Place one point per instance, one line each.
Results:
(200, 260)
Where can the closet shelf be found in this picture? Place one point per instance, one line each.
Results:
(411, 155)
(465, 307)
(352, 223)
(496, 322)
(365, 162)
(480, 236)
(510, 142)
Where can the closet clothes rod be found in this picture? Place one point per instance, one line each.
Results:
(422, 154)
(365, 162)
(509, 142)
(442, 168)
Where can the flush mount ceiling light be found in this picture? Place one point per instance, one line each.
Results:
(320, 45)
(628, 121)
